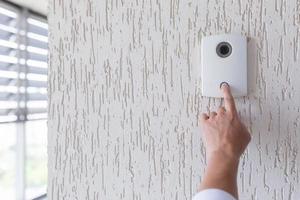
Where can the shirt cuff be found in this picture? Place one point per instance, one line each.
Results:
(213, 194)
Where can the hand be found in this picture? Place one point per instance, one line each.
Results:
(225, 138)
(223, 132)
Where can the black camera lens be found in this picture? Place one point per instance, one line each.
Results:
(224, 49)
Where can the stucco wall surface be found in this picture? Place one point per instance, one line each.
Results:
(125, 97)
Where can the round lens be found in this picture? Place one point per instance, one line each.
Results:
(224, 49)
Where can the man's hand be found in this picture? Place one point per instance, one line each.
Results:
(225, 138)
(223, 132)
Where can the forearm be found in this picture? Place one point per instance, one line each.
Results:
(221, 173)
(225, 138)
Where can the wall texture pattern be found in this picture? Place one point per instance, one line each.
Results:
(125, 97)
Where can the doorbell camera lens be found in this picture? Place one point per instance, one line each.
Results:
(224, 49)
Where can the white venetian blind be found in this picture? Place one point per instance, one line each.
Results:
(23, 65)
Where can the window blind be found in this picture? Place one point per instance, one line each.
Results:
(23, 65)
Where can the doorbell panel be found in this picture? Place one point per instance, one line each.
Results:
(224, 59)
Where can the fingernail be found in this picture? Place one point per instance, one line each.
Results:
(223, 83)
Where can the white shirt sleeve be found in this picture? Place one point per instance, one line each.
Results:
(213, 194)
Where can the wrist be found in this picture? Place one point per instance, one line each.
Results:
(225, 162)
(224, 156)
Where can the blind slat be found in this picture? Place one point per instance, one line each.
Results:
(23, 66)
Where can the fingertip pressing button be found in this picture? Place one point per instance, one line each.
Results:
(223, 83)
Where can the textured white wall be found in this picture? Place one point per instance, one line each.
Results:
(124, 97)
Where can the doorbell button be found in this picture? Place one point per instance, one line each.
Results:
(224, 59)
(223, 83)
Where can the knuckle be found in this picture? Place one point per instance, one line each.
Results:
(221, 110)
(202, 120)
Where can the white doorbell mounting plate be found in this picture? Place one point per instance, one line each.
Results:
(224, 59)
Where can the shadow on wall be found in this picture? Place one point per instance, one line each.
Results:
(251, 65)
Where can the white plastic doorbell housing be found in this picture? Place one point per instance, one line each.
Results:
(224, 59)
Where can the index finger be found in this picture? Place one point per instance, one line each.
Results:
(228, 98)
